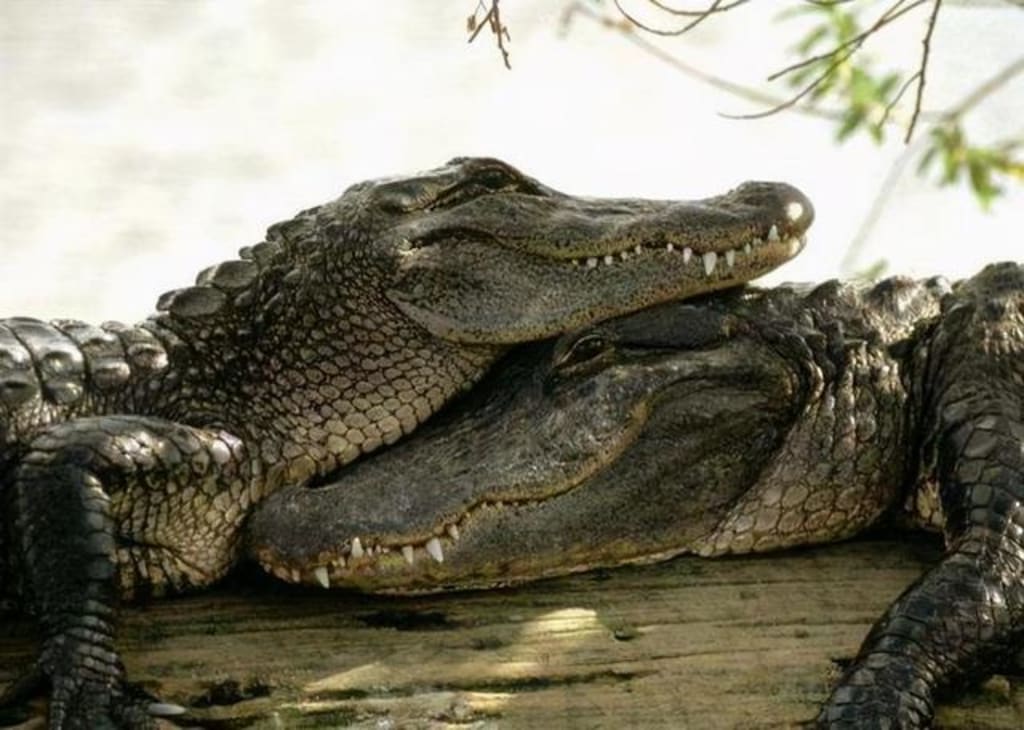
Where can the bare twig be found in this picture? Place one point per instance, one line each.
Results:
(923, 68)
(896, 99)
(796, 98)
(730, 87)
(715, 7)
(699, 16)
(492, 20)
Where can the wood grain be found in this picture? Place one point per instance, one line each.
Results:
(735, 643)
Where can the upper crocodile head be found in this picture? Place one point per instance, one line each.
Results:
(362, 317)
(486, 254)
(632, 440)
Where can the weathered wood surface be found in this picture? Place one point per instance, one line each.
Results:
(740, 643)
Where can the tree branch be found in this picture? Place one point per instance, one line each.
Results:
(699, 16)
(730, 87)
(492, 20)
(922, 69)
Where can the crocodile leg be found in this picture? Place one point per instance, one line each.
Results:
(967, 614)
(99, 484)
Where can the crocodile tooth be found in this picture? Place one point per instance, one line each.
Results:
(709, 259)
(608, 259)
(164, 709)
(321, 576)
(295, 576)
(624, 255)
(803, 239)
(773, 234)
(794, 210)
(638, 248)
(669, 247)
(758, 242)
(687, 254)
(434, 549)
(730, 258)
(340, 562)
(591, 262)
(747, 249)
(407, 553)
(453, 532)
(357, 548)
(794, 247)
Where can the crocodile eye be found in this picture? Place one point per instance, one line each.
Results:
(494, 179)
(587, 349)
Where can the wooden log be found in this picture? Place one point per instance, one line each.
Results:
(734, 643)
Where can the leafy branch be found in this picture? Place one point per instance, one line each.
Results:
(835, 78)
(834, 65)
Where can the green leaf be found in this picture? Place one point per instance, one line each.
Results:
(852, 119)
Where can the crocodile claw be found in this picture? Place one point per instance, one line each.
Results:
(82, 698)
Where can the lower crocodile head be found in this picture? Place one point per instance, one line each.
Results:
(628, 442)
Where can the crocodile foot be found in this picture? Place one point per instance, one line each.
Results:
(86, 692)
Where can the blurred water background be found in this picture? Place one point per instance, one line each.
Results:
(141, 142)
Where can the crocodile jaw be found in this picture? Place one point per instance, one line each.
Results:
(567, 262)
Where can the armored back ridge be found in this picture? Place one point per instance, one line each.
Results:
(130, 457)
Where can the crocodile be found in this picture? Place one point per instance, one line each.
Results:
(131, 456)
(742, 422)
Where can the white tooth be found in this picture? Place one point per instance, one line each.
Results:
(385, 549)
(407, 553)
(357, 548)
(773, 234)
(794, 247)
(670, 247)
(575, 262)
(499, 504)
(591, 262)
(730, 258)
(453, 532)
(608, 259)
(321, 576)
(340, 562)
(296, 577)
(638, 248)
(624, 255)
(164, 709)
(794, 210)
(687, 254)
(710, 259)
(758, 242)
(434, 549)
(803, 240)
(747, 249)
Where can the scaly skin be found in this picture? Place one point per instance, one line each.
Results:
(742, 422)
(131, 456)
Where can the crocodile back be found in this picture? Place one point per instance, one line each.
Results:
(53, 371)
